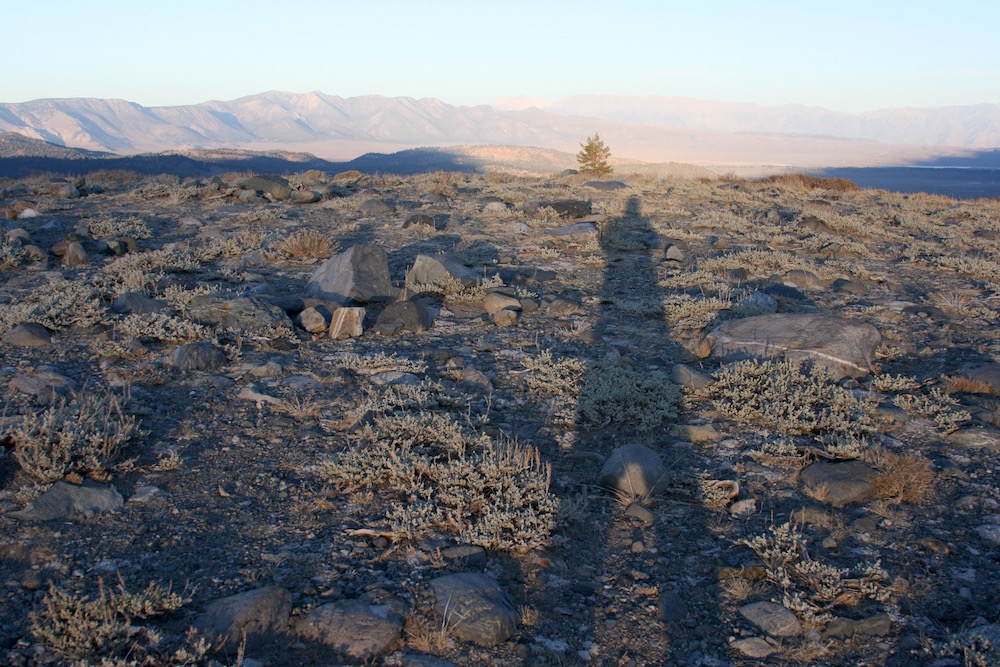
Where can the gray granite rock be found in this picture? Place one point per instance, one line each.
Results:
(439, 270)
(258, 614)
(198, 357)
(772, 618)
(248, 314)
(475, 608)
(634, 471)
(28, 334)
(355, 628)
(838, 482)
(63, 500)
(844, 347)
(360, 273)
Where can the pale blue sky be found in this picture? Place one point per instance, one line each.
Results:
(843, 55)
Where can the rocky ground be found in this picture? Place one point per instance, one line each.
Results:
(451, 419)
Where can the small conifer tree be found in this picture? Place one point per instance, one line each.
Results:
(593, 158)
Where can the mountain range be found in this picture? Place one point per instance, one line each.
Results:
(651, 129)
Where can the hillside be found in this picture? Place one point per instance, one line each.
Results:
(646, 129)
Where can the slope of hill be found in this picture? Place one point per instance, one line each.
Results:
(648, 129)
(973, 127)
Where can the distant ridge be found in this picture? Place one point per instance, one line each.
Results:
(652, 129)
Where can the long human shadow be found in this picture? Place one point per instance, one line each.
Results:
(659, 558)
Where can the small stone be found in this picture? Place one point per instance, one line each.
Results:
(874, 626)
(505, 318)
(754, 647)
(314, 319)
(671, 607)
(346, 323)
(673, 254)
(28, 334)
(305, 196)
(198, 357)
(635, 471)
(494, 302)
(376, 207)
(772, 618)
(743, 508)
(439, 270)
(75, 256)
(640, 512)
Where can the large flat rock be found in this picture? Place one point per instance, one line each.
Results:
(843, 347)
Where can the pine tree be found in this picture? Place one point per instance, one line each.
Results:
(593, 158)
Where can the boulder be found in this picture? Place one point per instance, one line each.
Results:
(75, 256)
(136, 303)
(772, 618)
(843, 347)
(404, 316)
(606, 185)
(43, 385)
(198, 357)
(375, 207)
(635, 471)
(28, 334)
(494, 302)
(305, 196)
(566, 208)
(63, 500)
(276, 186)
(360, 273)
(249, 314)
(258, 615)
(475, 608)
(354, 628)
(838, 483)
(439, 270)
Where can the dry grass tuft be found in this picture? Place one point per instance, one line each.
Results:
(962, 385)
(806, 182)
(904, 478)
(308, 244)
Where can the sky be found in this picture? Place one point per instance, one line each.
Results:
(846, 55)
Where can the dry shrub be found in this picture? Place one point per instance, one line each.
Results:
(308, 244)
(806, 182)
(905, 478)
(82, 436)
(963, 385)
(794, 400)
(77, 626)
